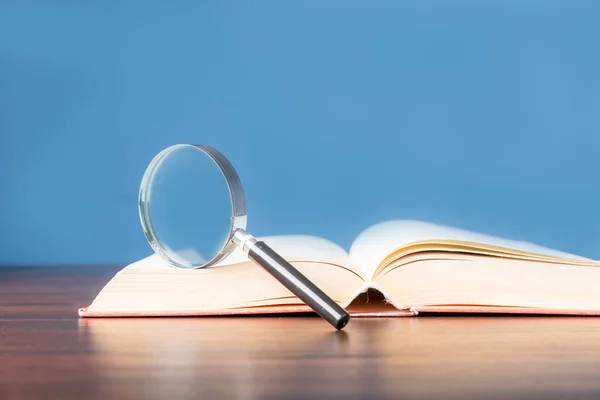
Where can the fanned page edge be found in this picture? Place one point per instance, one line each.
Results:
(373, 245)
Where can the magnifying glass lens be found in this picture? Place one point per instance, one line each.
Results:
(189, 207)
(193, 214)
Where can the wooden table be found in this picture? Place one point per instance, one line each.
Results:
(46, 351)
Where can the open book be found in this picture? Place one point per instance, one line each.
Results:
(393, 268)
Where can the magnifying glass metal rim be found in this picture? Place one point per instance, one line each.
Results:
(236, 194)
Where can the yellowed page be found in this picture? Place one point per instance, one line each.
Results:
(375, 244)
(402, 255)
(471, 280)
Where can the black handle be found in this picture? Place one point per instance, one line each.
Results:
(299, 285)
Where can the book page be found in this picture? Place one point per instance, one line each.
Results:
(153, 286)
(439, 279)
(377, 242)
(298, 248)
(142, 288)
(291, 247)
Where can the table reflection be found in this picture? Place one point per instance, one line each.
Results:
(252, 357)
(233, 357)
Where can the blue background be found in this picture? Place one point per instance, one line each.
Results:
(337, 115)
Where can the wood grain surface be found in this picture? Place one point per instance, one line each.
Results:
(46, 351)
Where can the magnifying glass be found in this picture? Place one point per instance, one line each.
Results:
(193, 214)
